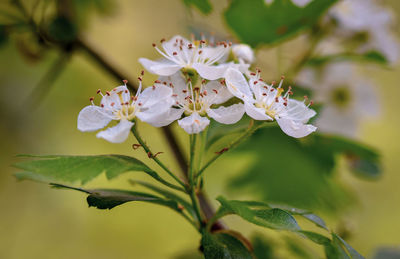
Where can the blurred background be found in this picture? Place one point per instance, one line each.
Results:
(43, 89)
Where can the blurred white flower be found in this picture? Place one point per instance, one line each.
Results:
(118, 105)
(265, 102)
(196, 102)
(180, 53)
(346, 98)
(243, 52)
(368, 19)
(299, 3)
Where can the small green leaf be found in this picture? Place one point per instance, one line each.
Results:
(352, 252)
(255, 22)
(271, 218)
(110, 198)
(81, 168)
(204, 6)
(315, 237)
(223, 245)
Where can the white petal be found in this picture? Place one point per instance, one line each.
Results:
(154, 94)
(244, 52)
(115, 97)
(217, 93)
(161, 67)
(301, 3)
(256, 113)
(295, 129)
(227, 115)
(210, 72)
(160, 115)
(178, 85)
(194, 123)
(92, 118)
(298, 111)
(173, 45)
(118, 133)
(237, 84)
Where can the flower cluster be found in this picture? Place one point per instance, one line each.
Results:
(198, 81)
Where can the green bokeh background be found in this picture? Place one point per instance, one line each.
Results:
(38, 222)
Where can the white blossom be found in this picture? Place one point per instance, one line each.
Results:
(243, 52)
(265, 102)
(180, 53)
(369, 18)
(346, 98)
(300, 3)
(120, 106)
(196, 104)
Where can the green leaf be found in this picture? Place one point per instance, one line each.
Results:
(371, 56)
(352, 252)
(300, 176)
(110, 198)
(271, 218)
(204, 6)
(255, 22)
(315, 237)
(224, 245)
(80, 168)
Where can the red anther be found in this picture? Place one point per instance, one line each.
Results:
(255, 82)
(140, 78)
(126, 91)
(290, 92)
(174, 95)
(203, 81)
(98, 91)
(157, 82)
(126, 103)
(154, 87)
(102, 105)
(112, 104)
(230, 44)
(273, 83)
(162, 40)
(91, 99)
(311, 102)
(125, 81)
(140, 104)
(142, 72)
(180, 47)
(190, 45)
(222, 82)
(171, 85)
(222, 151)
(277, 99)
(184, 91)
(215, 91)
(108, 93)
(265, 87)
(285, 103)
(200, 51)
(177, 103)
(149, 154)
(153, 44)
(264, 94)
(134, 98)
(252, 74)
(305, 97)
(202, 41)
(262, 80)
(282, 77)
(174, 53)
(272, 89)
(196, 89)
(136, 146)
(205, 93)
(164, 83)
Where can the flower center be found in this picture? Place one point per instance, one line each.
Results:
(127, 112)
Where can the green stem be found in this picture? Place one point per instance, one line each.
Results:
(250, 130)
(151, 155)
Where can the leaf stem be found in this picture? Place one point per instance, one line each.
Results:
(250, 130)
(151, 155)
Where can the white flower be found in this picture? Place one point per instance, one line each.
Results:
(196, 104)
(347, 100)
(180, 53)
(243, 52)
(118, 105)
(264, 102)
(366, 16)
(300, 3)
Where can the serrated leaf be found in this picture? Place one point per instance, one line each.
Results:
(110, 198)
(271, 218)
(203, 6)
(279, 20)
(81, 169)
(223, 245)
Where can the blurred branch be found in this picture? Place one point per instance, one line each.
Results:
(43, 87)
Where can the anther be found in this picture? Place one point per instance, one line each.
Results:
(215, 91)
(222, 82)
(282, 77)
(125, 81)
(255, 82)
(277, 99)
(98, 91)
(141, 73)
(112, 104)
(157, 82)
(174, 53)
(162, 40)
(154, 45)
(140, 78)
(102, 105)
(108, 93)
